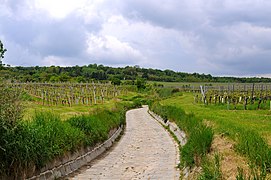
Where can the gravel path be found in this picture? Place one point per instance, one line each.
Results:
(146, 151)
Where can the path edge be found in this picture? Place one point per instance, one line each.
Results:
(177, 133)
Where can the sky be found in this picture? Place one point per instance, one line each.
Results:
(218, 37)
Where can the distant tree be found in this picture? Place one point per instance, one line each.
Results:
(116, 81)
(141, 83)
(64, 77)
(145, 75)
(80, 79)
(2, 52)
(54, 79)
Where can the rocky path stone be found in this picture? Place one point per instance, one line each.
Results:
(146, 151)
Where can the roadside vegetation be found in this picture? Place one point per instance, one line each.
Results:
(199, 135)
(31, 143)
(36, 129)
(249, 130)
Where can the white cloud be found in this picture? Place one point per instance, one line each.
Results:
(59, 8)
(217, 37)
(54, 60)
(111, 50)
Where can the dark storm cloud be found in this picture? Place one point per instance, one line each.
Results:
(64, 38)
(220, 27)
(219, 37)
(165, 13)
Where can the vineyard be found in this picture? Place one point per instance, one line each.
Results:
(69, 94)
(235, 96)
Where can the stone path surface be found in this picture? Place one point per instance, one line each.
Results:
(145, 151)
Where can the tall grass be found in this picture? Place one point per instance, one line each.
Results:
(199, 135)
(211, 169)
(256, 149)
(246, 128)
(96, 127)
(29, 145)
(35, 143)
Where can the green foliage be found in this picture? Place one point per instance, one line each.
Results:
(140, 83)
(255, 174)
(36, 142)
(246, 128)
(2, 52)
(96, 127)
(240, 175)
(46, 137)
(252, 145)
(94, 72)
(10, 107)
(26, 97)
(167, 92)
(199, 135)
(32, 144)
(211, 169)
(116, 81)
(198, 144)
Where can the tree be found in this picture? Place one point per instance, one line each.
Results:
(116, 81)
(2, 52)
(145, 75)
(141, 83)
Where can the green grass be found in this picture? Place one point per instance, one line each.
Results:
(66, 112)
(97, 126)
(43, 135)
(225, 121)
(182, 84)
(199, 135)
(249, 128)
(36, 142)
(211, 169)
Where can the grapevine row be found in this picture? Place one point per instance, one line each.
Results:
(258, 95)
(69, 94)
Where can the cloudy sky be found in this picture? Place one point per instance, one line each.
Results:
(220, 37)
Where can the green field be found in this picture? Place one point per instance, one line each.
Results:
(225, 121)
(181, 84)
(66, 112)
(247, 133)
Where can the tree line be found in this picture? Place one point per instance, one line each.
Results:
(94, 72)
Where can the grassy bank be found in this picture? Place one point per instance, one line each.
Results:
(28, 145)
(199, 135)
(34, 143)
(251, 130)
